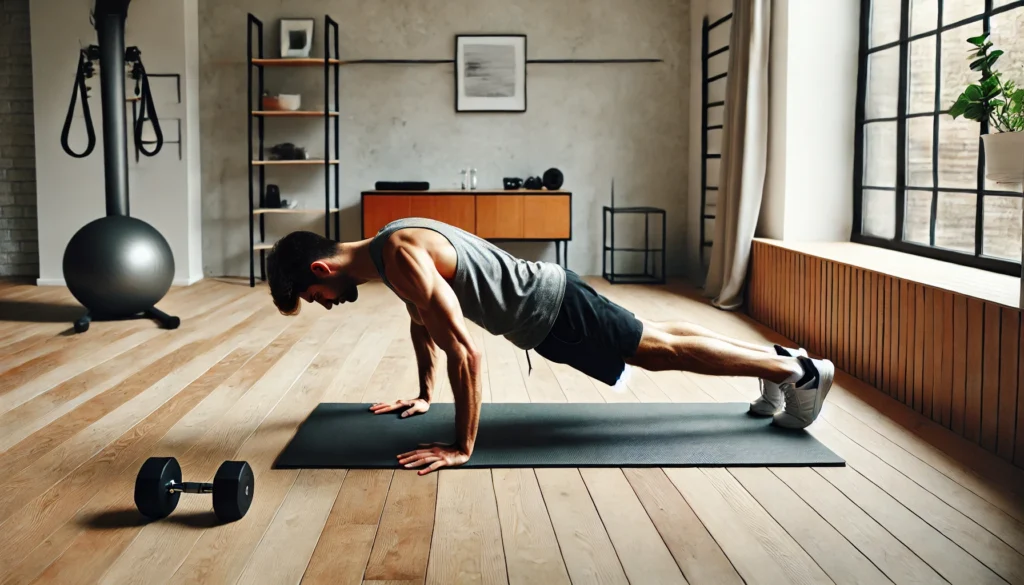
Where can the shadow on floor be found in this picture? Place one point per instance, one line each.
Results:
(30, 312)
(131, 518)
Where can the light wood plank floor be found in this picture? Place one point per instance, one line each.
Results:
(79, 414)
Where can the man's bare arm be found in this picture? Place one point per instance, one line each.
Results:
(426, 354)
(413, 275)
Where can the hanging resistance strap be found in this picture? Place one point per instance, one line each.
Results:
(146, 107)
(85, 69)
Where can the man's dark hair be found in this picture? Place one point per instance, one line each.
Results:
(288, 268)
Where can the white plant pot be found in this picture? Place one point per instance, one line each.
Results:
(1004, 156)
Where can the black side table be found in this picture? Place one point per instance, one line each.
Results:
(650, 275)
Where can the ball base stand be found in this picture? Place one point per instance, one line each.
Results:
(166, 321)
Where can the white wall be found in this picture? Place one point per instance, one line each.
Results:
(163, 190)
(809, 193)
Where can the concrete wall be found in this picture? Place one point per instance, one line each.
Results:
(594, 122)
(18, 236)
(70, 190)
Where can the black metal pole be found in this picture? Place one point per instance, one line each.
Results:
(110, 16)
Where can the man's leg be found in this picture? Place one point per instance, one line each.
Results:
(687, 329)
(660, 350)
(806, 382)
(771, 400)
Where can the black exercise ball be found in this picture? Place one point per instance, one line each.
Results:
(118, 266)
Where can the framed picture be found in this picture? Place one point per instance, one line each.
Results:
(490, 73)
(296, 37)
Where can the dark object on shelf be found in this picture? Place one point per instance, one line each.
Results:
(117, 267)
(287, 151)
(329, 65)
(650, 275)
(512, 183)
(273, 199)
(402, 186)
(158, 487)
(553, 179)
(533, 183)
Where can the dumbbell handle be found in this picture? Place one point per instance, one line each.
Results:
(190, 487)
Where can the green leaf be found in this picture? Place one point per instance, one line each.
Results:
(992, 58)
(976, 112)
(974, 93)
(997, 103)
(978, 41)
(959, 107)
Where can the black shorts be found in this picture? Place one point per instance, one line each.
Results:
(591, 333)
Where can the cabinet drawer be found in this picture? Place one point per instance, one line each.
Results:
(499, 216)
(379, 210)
(546, 217)
(455, 210)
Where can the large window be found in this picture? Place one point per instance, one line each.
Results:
(919, 181)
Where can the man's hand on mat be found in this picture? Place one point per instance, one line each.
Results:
(414, 406)
(438, 455)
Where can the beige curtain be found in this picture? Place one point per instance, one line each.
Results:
(744, 152)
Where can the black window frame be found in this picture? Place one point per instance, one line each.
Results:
(898, 242)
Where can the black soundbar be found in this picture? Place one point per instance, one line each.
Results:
(402, 186)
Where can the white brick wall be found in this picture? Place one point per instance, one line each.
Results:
(19, 249)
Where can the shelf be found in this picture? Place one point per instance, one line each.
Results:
(309, 62)
(291, 114)
(296, 211)
(292, 162)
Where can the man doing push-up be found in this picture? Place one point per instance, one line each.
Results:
(446, 276)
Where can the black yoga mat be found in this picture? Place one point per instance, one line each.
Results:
(346, 435)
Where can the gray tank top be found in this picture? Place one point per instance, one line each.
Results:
(507, 296)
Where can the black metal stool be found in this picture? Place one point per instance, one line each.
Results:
(650, 275)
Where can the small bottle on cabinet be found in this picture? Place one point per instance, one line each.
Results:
(472, 179)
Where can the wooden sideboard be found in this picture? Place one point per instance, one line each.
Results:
(519, 215)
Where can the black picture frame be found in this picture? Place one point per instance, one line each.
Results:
(309, 24)
(517, 103)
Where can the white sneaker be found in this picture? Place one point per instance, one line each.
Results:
(771, 400)
(804, 399)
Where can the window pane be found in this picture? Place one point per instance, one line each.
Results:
(1008, 36)
(1002, 227)
(880, 154)
(956, 61)
(922, 75)
(958, 152)
(918, 217)
(919, 151)
(878, 215)
(954, 221)
(885, 21)
(957, 10)
(924, 16)
(883, 83)
(999, 3)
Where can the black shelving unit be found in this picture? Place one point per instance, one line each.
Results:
(651, 274)
(706, 55)
(331, 163)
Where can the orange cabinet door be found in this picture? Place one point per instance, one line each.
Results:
(379, 210)
(456, 210)
(546, 217)
(499, 216)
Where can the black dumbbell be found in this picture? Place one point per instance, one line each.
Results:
(158, 487)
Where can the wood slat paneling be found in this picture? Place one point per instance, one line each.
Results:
(953, 358)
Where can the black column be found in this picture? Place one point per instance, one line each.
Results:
(110, 16)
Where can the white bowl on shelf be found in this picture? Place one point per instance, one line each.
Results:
(290, 102)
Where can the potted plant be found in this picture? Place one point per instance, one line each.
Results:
(1001, 102)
